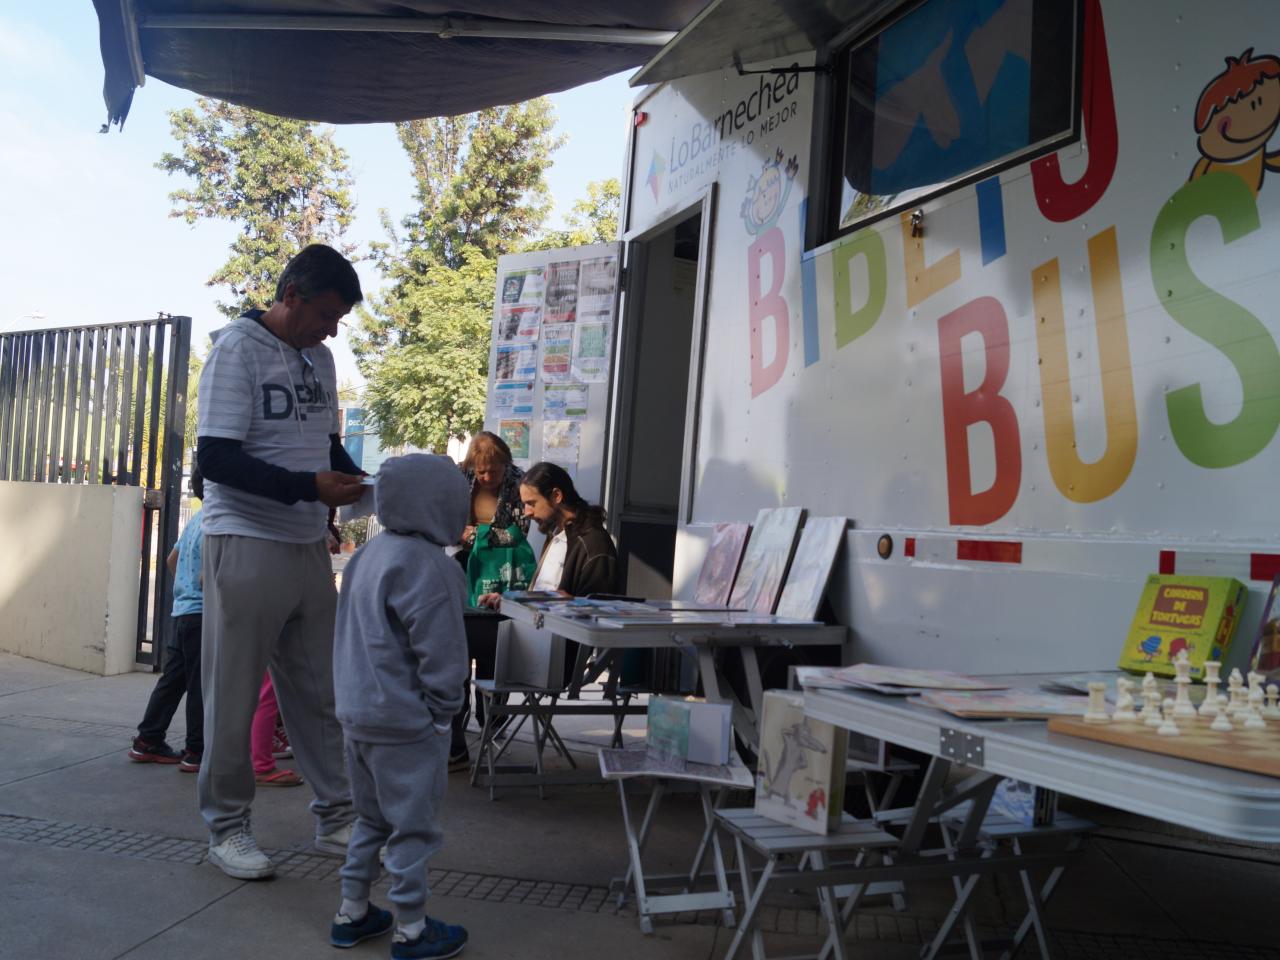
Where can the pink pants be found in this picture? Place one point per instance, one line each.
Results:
(264, 728)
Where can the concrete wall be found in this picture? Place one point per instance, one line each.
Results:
(69, 573)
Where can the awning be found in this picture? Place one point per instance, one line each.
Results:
(729, 32)
(364, 61)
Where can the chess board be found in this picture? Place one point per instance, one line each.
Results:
(1257, 751)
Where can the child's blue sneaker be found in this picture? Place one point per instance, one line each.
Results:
(346, 932)
(437, 941)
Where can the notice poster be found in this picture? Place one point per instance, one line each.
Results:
(591, 352)
(557, 352)
(516, 361)
(516, 433)
(519, 322)
(560, 441)
(513, 399)
(523, 287)
(597, 289)
(564, 401)
(561, 304)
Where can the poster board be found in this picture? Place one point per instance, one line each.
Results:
(551, 361)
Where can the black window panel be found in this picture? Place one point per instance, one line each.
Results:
(951, 90)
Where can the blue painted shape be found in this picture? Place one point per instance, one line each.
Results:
(808, 297)
(991, 219)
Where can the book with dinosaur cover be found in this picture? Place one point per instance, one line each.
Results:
(1176, 613)
(800, 774)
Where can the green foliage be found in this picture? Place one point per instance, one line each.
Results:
(593, 219)
(283, 182)
(427, 377)
(423, 345)
(195, 364)
(355, 531)
(480, 183)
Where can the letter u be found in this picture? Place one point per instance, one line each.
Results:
(1075, 479)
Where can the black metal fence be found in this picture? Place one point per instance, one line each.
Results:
(104, 404)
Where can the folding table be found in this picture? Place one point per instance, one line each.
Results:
(623, 765)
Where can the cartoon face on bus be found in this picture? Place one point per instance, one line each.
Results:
(767, 194)
(1236, 115)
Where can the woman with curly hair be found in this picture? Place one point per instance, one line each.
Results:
(495, 554)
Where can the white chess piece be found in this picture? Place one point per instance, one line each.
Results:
(1221, 723)
(1124, 701)
(1169, 727)
(1235, 691)
(1097, 709)
(1273, 701)
(1253, 713)
(1209, 707)
(1182, 706)
(1150, 701)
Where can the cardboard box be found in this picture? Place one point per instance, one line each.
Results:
(801, 771)
(690, 729)
(528, 656)
(1176, 613)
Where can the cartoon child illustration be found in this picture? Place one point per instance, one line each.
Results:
(767, 194)
(1236, 115)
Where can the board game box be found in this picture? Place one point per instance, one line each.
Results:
(1176, 613)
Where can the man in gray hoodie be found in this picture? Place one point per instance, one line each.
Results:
(399, 657)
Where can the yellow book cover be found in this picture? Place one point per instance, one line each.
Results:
(1176, 613)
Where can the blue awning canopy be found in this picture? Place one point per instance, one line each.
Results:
(365, 61)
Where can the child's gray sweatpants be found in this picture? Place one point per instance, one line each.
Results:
(398, 790)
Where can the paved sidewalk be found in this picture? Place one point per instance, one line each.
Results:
(105, 859)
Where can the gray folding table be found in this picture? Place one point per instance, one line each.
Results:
(699, 640)
(1216, 800)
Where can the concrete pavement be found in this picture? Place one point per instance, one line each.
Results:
(101, 858)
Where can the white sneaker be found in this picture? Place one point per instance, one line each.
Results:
(336, 842)
(238, 856)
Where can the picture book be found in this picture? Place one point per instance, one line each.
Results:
(720, 566)
(1266, 645)
(863, 674)
(764, 564)
(689, 729)
(1003, 704)
(1176, 613)
(820, 542)
(801, 772)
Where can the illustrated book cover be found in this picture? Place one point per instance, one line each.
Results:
(720, 566)
(811, 567)
(689, 729)
(801, 772)
(1266, 645)
(764, 564)
(1176, 613)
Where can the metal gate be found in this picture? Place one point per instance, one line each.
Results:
(104, 404)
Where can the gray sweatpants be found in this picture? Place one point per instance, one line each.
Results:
(398, 790)
(268, 603)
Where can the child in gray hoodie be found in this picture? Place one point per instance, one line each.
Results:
(399, 656)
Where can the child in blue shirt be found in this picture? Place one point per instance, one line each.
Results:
(181, 674)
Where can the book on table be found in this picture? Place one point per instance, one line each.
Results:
(1178, 613)
(801, 771)
(689, 728)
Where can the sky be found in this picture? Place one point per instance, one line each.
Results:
(87, 236)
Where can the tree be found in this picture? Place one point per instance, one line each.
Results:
(284, 183)
(480, 182)
(428, 384)
(423, 345)
(593, 218)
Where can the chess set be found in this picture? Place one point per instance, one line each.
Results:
(1240, 729)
